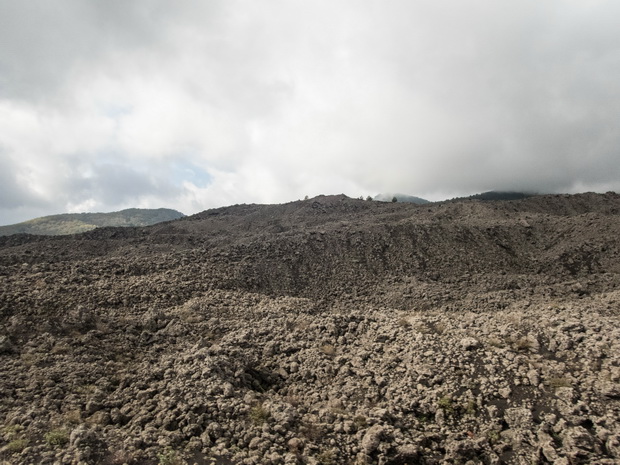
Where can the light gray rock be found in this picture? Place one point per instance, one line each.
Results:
(469, 343)
(372, 439)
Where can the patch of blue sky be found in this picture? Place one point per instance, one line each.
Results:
(182, 171)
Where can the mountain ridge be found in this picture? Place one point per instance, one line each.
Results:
(73, 223)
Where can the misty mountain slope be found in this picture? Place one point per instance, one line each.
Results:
(331, 330)
(74, 223)
(400, 198)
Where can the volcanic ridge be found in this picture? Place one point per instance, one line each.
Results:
(324, 331)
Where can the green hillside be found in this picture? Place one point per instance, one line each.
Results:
(73, 223)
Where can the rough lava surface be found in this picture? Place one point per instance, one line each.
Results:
(324, 331)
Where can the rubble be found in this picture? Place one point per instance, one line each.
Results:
(323, 332)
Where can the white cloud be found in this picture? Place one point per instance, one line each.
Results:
(102, 104)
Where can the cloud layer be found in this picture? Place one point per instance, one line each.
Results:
(107, 105)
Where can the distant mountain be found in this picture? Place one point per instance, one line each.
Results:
(500, 195)
(401, 198)
(73, 223)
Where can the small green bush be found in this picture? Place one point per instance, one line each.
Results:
(17, 445)
(446, 404)
(259, 415)
(168, 457)
(471, 407)
(57, 438)
(493, 437)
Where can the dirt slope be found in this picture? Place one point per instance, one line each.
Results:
(330, 330)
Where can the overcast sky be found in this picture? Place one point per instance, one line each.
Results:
(113, 104)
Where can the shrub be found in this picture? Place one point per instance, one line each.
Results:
(471, 407)
(57, 438)
(259, 415)
(360, 421)
(168, 457)
(493, 437)
(17, 445)
(11, 431)
(558, 382)
(446, 404)
(327, 457)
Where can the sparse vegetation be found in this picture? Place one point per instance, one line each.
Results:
(493, 436)
(446, 404)
(360, 421)
(423, 418)
(16, 445)
(471, 407)
(12, 431)
(327, 457)
(259, 415)
(558, 382)
(57, 438)
(169, 457)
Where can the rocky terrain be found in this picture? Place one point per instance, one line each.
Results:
(324, 331)
(73, 223)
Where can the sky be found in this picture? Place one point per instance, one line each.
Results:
(191, 105)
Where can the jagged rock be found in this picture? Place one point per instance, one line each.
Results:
(613, 445)
(459, 450)
(5, 345)
(610, 389)
(578, 438)
(518, 418)
(372, 439)
(469, 343)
